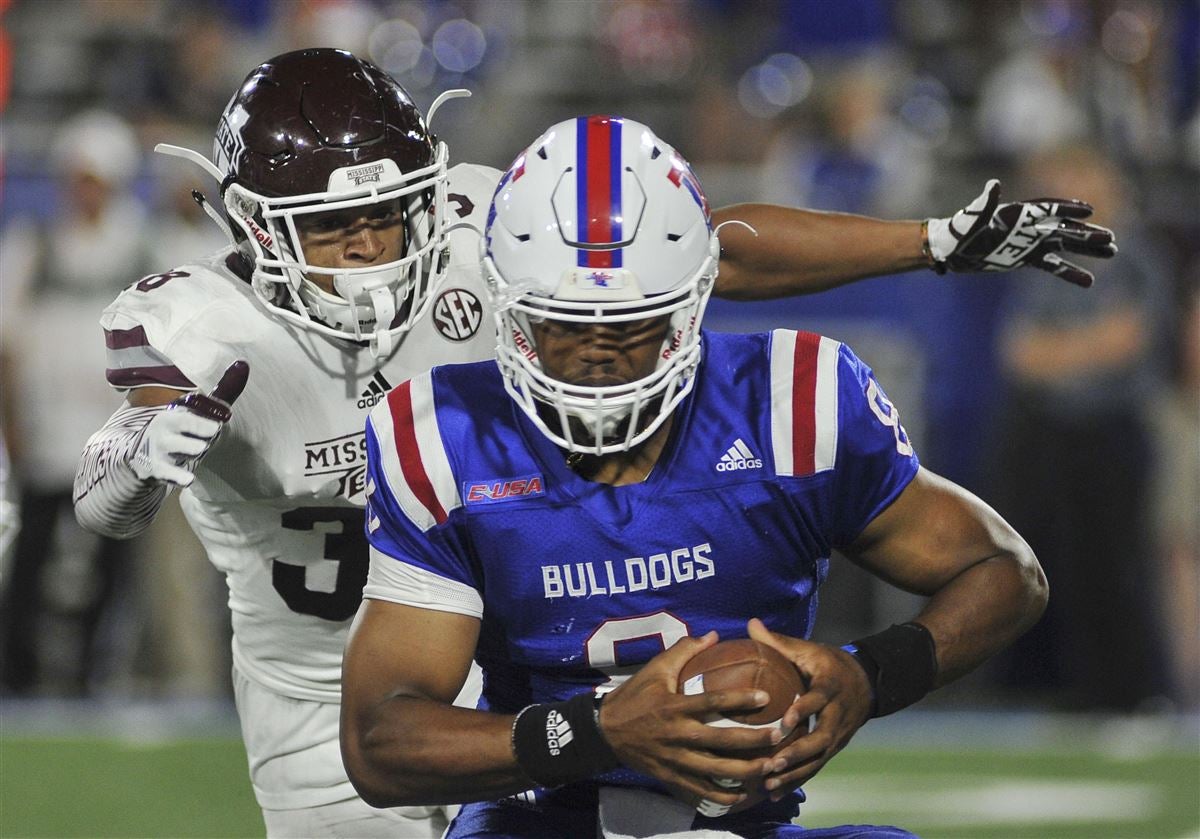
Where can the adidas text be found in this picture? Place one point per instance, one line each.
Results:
(738, 457)
(733, 466)
(558, 733)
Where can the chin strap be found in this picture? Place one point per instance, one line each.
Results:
(212, 171)
(199, 198)
(382, 344)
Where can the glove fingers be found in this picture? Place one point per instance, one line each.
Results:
(1064, 270)
(1077, 237)
(1093, 234)
(202, 405)
(232, 383)
(215, 405)
(1064, 207)
(979, 212)
(186, 446)
(1084, 249)
(193, 425)
(176, 475)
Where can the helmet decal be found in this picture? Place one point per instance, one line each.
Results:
(681, 174)
(598, 190)
(229, 145)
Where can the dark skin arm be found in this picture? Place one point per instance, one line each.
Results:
(403, 743)
(805, 251)
(985, 589)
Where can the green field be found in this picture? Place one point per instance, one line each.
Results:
(968, 778)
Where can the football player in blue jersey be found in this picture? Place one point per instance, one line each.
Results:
(611, 495)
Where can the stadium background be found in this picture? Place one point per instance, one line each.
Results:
(900, 109)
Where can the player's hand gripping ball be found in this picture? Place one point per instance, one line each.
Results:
(744, 664)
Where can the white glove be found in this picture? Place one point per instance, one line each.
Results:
(989, 236)
(174, 441)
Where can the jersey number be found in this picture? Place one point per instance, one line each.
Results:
(347, 547)
(155, 280)
(465, 205)
(887, 414)
(601, 645)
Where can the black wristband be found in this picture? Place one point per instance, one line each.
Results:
(560, 742)
(901, 665)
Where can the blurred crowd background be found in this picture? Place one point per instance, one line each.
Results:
(1076, 413)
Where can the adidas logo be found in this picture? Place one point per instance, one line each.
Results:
(558, 732)
(737, 458)
(375, 391)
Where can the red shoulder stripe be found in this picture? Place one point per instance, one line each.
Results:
(404, 429)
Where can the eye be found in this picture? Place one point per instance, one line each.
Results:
(388, 213)
(320, 223)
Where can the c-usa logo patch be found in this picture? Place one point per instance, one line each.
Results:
(457, 314)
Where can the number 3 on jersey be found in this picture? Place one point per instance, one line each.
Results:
(347, 547)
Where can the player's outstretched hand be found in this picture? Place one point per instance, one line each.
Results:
(989, 236)
(174, 441)
(838, 694)
(654, 728)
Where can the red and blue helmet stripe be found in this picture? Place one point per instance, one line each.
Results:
(598, 189)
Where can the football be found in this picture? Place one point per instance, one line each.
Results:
(744, 664)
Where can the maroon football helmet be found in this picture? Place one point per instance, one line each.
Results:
(320, 130)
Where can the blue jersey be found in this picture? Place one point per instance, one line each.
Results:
(785, 449)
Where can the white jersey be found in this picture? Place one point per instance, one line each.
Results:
(277, 501)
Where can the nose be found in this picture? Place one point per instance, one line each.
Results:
(599, 344)
(364, 245)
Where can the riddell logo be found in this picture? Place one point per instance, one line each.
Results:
(558, 733)
(263, 237)
(523, 346)
(677, 339)
(738, 457)
(375, 391)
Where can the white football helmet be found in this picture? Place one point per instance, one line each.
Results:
(599, 221)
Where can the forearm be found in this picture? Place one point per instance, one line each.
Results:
(408, 751)
(109, 498)
(804, 251)
(984, 609)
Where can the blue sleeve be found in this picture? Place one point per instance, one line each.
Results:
(440, 549)
(875, 460)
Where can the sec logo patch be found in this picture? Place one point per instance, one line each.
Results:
(457, 314)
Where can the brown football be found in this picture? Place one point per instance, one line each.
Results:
(744, 664)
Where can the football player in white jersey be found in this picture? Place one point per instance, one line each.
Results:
(354, 266)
